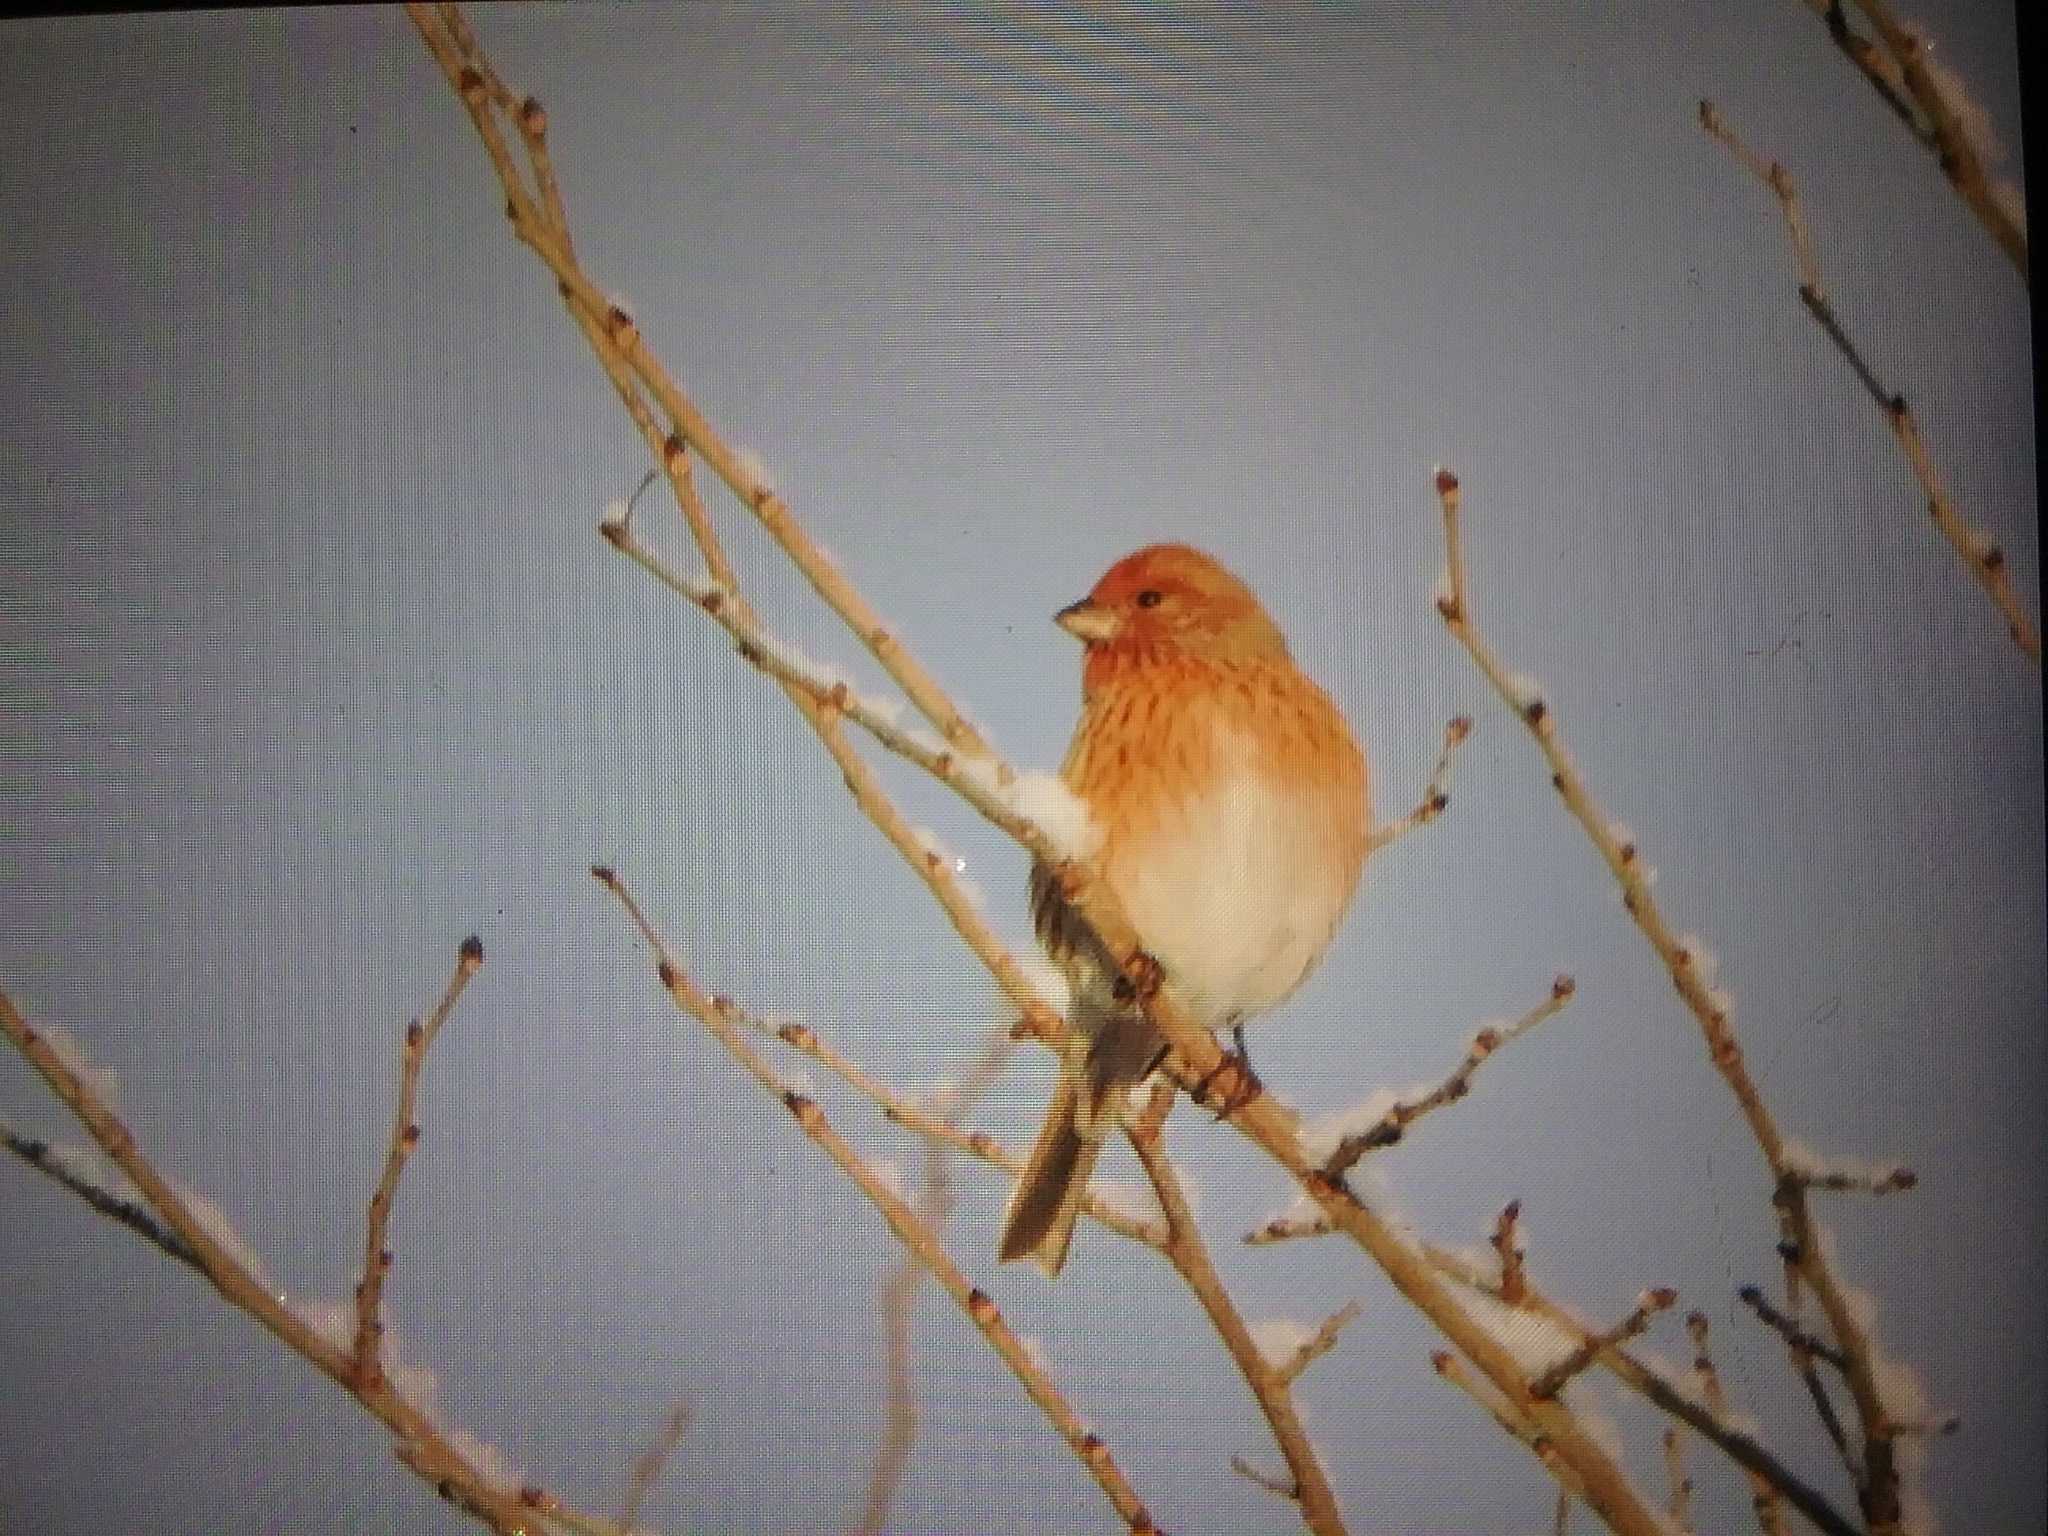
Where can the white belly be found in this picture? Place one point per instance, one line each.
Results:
(1238, 894)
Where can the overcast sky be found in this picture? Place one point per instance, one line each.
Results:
(314, 664)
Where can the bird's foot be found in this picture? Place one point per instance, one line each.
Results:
(1229, 1085)
(1140, 979)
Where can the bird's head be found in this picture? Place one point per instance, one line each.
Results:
(1166, 600)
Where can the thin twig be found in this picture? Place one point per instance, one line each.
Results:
(901, 1287)
(1788, 1328)
(1587, 1350)
(1763, 1489)
(1681, 1484)
(1507, 1245)
(1393, 1125)
(1279, 1487)
(405, 1136)
(1435, 798)
(648, 1465)
(1319, 1343)
(127, 1208)
(913, 1116)
(1981, 556)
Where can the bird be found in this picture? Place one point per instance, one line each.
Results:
(1230, 802)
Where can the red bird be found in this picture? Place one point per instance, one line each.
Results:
(1231, 802)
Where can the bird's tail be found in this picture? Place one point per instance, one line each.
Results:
(1086, 1106)
(1040, 1221)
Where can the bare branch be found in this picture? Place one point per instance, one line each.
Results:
(1681, 1485)
(648, 1465)
(1710, 1007)
(66, 1166)
(1320, 1343)
(901, 1287)
(1588, 1349)
(420, 1444)
(1435, 801)
(405, 1136)
(1393, 1125)
(1703, 1410)
(1280, 1487)
(719, 1016)
(1789, 1330)
(1514, 1283)
(1981, 555)
(1271, 1384)
(1896, 67)
(1763, 1488)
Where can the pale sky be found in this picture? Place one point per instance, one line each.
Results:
(315, 664)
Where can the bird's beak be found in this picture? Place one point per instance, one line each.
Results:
(1088, 622)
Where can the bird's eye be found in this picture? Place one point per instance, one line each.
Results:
(1151, 597)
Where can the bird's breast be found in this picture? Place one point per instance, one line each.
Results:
(1236, 854)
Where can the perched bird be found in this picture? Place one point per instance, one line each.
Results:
(1230, 799)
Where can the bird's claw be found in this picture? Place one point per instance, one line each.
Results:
(1229, 1085)
(1140, 979)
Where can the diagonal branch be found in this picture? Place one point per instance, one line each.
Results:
(1981, 556)
(1705, 1411)
(1390, 1127)
(1896, 66)
(913, 1116)
(1309, 1486)
(420, 1444)
(1713, 1010)
(125, 1206)
(717, 1015)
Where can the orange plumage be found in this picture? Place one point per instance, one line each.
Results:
(1230, 798)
